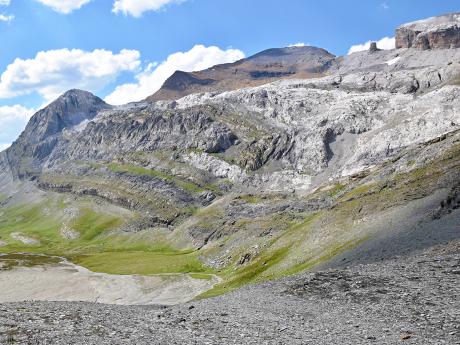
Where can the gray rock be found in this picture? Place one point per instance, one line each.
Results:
(442, 32)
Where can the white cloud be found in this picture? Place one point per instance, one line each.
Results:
(384, 43)
(153, 77)
(64, 6)
(5, 2)
(300, 44)
(136, 8)
(13, 119)
(6, 18)
(52, 72)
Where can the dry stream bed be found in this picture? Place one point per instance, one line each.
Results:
(35, 277)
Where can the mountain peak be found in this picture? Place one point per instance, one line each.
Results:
(69, 109)
(261, 68)
(74, 96)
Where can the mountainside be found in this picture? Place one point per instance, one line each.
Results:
(217, 174)
(261, 68)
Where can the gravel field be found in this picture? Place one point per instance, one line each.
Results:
(410, 300)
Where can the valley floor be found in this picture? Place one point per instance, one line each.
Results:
(410, 299)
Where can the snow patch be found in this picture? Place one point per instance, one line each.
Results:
(393, 61)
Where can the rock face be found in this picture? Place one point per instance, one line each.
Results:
(441, 32)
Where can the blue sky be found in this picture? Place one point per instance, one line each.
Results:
(122, 50)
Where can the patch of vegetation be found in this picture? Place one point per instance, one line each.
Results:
(329, 253)
(336, 189)
(294, 241)
(358, 191)
(43, 221)
(143, 263)
(203, 276)
(91, 224)
(10, 261)
(250, 199)
(30, 221)
(248, 274)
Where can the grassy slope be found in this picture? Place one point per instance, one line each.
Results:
(97, 248)
(302, 244)
(327, 233)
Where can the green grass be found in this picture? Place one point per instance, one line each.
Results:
(43, 221)
(203, 276)
(251, 199)
(91, 224)
(30, 221)
(358, 191)
(336, 189)
(97, 249)
(249, 274)
(143, 263)
(123, 193)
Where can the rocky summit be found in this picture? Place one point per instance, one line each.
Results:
(317, 196)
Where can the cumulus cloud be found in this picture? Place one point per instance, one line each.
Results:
(6, 18)
(52, 72)
(136, 8)
(153, 77)
(384, 43)
(64, 6)
(13, 119)
(5, 2)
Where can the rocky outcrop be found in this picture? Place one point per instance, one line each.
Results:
(145, 129)
(441, 32)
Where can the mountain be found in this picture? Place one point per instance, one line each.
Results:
(261, 68)
(44, 128)
(344, 160)
(441, 32)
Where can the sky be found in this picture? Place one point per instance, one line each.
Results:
(123, 50)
